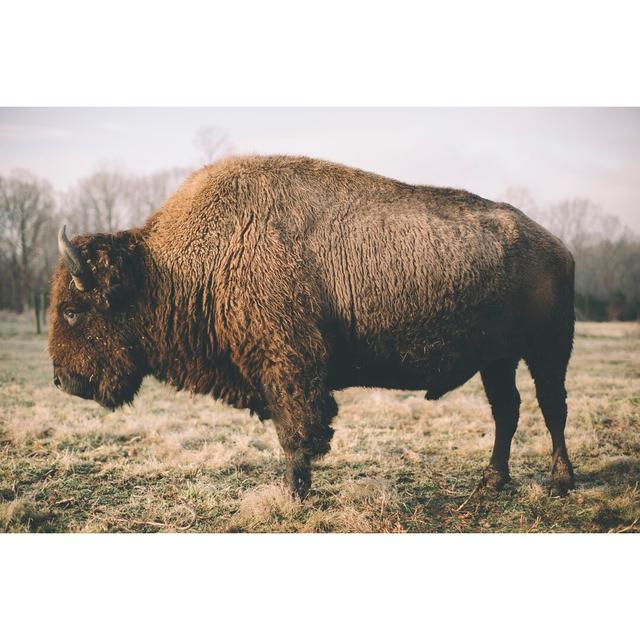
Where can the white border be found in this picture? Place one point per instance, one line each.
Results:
(331, 53)
(284, 52)
(318, 586)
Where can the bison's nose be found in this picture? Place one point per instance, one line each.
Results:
(56, 381)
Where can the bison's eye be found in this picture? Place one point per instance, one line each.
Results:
(71, 316)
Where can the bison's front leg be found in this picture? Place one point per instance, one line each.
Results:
(302, 423)
(499, 381)
(297, 475)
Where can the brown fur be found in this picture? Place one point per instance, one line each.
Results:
(268, 282)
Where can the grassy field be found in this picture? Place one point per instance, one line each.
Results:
(174, 462)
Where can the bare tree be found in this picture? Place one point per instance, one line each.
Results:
(522, 199)
(147, 193)
(212, 143)
(575, 221)
(629, 260)
(26, 212)
(99, 203)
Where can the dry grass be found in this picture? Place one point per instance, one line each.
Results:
(398, 463)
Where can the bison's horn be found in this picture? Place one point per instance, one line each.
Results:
(74, 261)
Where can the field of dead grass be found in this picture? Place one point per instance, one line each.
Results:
(174, 462)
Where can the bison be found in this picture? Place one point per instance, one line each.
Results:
(270, 282)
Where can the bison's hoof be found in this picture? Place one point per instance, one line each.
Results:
(299, 489)
(298, 480)
(562, 480)
(493, 480)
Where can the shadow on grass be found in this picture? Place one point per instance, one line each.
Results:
(618, 473)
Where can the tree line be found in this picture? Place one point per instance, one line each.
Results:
(31, 213)
(607, 253)
(105, 201)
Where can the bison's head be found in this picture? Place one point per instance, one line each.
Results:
(94, 340)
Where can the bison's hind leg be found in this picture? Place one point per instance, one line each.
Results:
(547, 359)
(499, 381)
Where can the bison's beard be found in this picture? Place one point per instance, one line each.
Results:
(108, 393)
(112, 394)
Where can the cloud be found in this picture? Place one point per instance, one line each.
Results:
(112, 126)
(13, 130)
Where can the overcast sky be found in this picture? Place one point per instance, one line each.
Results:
(554, 153)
